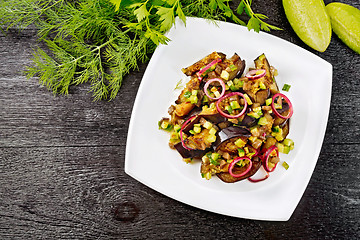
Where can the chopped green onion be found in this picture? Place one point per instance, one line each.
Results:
(268, 101)
(285, 165)
(229, 109)
(248, 100)
(250, 154)
(235, 105)
(278, 135)
(288, 142)
(239, 143)
(233, 88)
(238, 83)
(241, 163)
(255, 131)
(197, 129)
(262, 85)
(207, 175)
(232, 67)
(225, 75)
(278, 106)
(165, 125)
(212, 131)
(276, 129)
(252, 138)
(230, 83)
(193, 99)
(211, 138)
(177, 127)
(282, 148)
(255, 114)
(215, 156)
(217, 94)
(214, 162)
(174, 137)
(257, 109)
(205, 99)
(207, 125)
(187, 94)
(263, 121)
(241, 152)
(286, 87)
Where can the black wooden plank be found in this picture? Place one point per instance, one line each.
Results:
(83, 192)
(62, 161)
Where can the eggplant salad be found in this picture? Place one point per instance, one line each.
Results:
(234, 122)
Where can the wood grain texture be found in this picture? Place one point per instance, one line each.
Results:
(62, 161)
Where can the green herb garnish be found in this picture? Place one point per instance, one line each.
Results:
(101, 41)
(285, 165)
(256, 19)
(286, 87)
(187, 94)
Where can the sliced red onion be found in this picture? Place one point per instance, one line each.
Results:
(228, 115)
(291, 110)
(257, 151)
(255, 74)
(262, 170)
(207, 67)
(211, 81)
(181, 132)
(267, 156)
(232, 164)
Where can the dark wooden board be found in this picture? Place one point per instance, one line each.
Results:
(62, 161)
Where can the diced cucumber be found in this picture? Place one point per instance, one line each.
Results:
(263, 121)
(239, 143)
(235, 105)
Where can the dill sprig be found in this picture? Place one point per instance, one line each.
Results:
(100, 41)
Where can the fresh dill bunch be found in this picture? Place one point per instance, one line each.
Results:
(86, 41)
(100, 41)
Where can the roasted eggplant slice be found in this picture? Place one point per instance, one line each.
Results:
(226, 134)
(285, 129)
(236, 66)
(261, 96)
(214, 118)
(191, 70)
(189, 153)
(190, 125)
(193, 84)
(226, 177)
(262, 63)
(281, 121)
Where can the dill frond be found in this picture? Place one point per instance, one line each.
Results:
(100, 41)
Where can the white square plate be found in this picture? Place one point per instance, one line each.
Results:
(150, 160)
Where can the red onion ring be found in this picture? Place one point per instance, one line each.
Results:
(181, 132)
(229, 95)
(232, 164)
(211, 81)
(257, 151)
(254, 180)
(266, 158)
(207, 67)
(291, 110)
(253, 74)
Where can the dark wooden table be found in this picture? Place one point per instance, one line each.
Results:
(62, 161)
